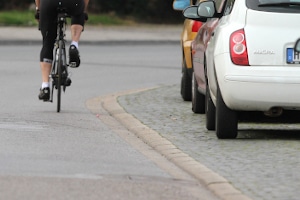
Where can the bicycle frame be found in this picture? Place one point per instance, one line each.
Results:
(59, 71)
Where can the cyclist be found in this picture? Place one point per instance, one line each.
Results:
(46, 13)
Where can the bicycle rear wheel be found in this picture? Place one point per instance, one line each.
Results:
(59, 74)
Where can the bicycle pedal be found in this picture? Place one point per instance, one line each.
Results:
(73, 64)
(49, 100)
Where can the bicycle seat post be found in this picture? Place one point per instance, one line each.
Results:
(61, 20)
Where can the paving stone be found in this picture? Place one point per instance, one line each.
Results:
(263, 162)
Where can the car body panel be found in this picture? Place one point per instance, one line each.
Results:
(243, 90)
(187, 36)
(199, 46)
(267, 52)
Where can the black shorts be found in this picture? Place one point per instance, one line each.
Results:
(48, 22)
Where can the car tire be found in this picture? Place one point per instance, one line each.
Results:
(226, 119)
(186, 83)
(210, 111)
(198, 99)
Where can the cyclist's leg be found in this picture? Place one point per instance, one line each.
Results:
(76, 10)
(48, 30)
(74, 56)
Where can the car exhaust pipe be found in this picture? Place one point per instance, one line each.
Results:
(274, 112)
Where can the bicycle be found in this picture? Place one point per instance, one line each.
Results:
(59, 75)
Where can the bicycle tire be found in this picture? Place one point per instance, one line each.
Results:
(59, 74)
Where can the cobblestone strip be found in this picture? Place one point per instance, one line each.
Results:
(216, 183)
(263, 162)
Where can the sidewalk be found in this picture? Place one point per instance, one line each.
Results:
(99, 34)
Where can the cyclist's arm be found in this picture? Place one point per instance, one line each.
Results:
(37, 4)
(86, 2)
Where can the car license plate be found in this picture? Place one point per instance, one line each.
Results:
(292, 57)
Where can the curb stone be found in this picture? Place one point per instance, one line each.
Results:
(213, 181)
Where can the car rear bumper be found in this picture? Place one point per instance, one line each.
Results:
(259, 88)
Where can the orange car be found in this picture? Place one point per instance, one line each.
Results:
(189, 32)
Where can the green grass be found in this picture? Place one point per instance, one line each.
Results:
(26, 18)
(17, 18)
(105, 20)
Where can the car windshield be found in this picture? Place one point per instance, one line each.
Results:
(289, 3)
(285, 6)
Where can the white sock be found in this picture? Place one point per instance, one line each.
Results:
(75, 44)
(45, 84)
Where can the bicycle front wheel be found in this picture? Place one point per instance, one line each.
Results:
(59, 73)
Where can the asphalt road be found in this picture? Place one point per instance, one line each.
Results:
(74, 154)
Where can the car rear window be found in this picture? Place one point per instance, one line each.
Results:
(282, 6)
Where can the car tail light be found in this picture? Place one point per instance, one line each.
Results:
(196, 26)
(238, 48)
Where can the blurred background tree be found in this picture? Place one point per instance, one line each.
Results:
(14, 4)
(146, 11)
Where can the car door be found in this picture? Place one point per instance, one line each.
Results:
(224, 8)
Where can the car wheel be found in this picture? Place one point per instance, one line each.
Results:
(186, 84)
(210, 111)
(198, 99)
(226, 119)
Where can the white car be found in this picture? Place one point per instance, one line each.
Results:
(244, 59)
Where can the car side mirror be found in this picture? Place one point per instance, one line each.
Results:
(191, 12)
(202, 12)
(181, 4)
(297, 46)
(207, 9)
